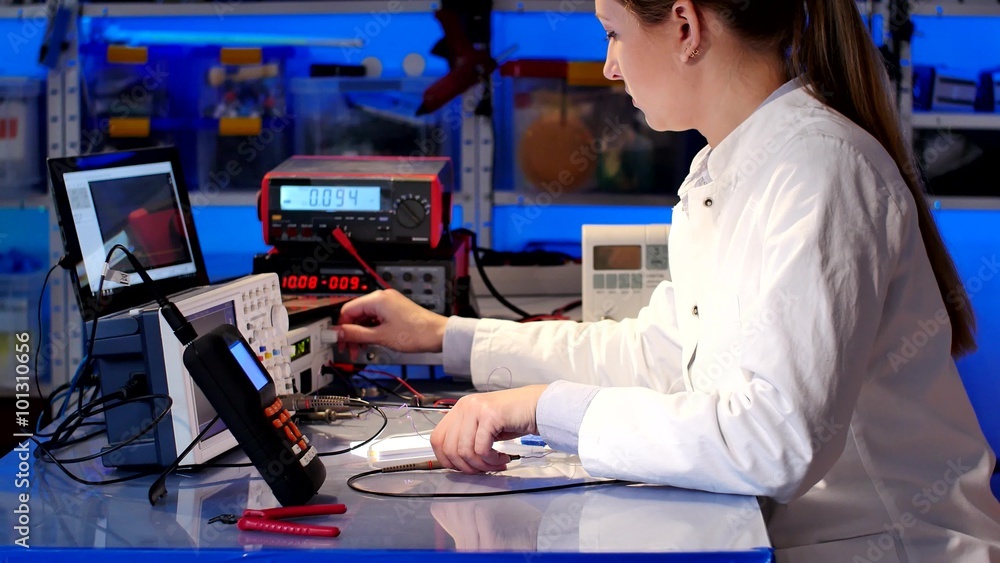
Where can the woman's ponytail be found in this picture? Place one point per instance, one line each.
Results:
(831, 49)
(825, 42)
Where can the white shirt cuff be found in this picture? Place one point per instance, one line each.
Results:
(456, 349)
(560, 411)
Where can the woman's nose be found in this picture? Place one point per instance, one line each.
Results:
(611, 69)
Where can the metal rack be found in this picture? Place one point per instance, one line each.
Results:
(955, 8)
(943, 120)
(914, 120)
(64, 134)
(477, 143)
(239, 7)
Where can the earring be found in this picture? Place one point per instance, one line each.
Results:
(694, 54)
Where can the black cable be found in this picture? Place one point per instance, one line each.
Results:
(89, 358)
(352, 483)
(383, 387)
(83, 391)
(38, 345)
(568, 307)
(47, 452)
(60, 437)
(178, 323)
(159, 487)
(486, 280)
(73, 420)
(46, 417)
(83, 481)
(84, 438)
(385, 422)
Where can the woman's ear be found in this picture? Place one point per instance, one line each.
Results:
(685, 15)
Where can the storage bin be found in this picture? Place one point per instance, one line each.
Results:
(20, 150)
(245, 129)
(563, 128)
(355, 116)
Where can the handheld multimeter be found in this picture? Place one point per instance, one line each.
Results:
(241, 391)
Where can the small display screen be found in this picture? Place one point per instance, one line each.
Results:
(138, 207)
(618, 257)
(325, 283)
(330, 198)
(301, 348)
(250, 367)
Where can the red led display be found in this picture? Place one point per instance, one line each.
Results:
(313, 283)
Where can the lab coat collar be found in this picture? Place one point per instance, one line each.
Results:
(743, 143)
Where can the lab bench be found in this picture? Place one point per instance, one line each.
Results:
(612, 522)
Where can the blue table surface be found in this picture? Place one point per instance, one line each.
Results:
(619, 522)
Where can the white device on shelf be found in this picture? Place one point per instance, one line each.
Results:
(622, 265)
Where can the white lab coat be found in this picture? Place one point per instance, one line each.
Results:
(801, 353)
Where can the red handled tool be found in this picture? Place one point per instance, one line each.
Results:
(269, 520)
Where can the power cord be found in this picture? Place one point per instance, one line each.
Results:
(486, 280)
(64, 263)
(352, 482)
(61, 437)
(44, 450)
(159, 487)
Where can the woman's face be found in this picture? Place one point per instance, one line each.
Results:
(651, 63)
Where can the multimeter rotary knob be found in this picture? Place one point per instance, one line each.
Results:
(411, 212)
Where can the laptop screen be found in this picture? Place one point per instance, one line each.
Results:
(136, 199)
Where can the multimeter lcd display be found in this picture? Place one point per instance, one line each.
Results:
(330, 198)
(250, 367)
(617, 257)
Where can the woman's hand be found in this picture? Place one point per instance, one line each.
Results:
(463, 440)
(388, 318)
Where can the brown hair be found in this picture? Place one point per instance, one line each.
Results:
(851, 79)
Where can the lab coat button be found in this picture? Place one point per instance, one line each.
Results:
(708, 202)
(694, 310)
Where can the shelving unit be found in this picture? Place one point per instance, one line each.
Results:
(945, 120)
(66, 120)
(917, 119)
(477, 144)
(955, 8)
(240, 8)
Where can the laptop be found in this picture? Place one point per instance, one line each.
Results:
(135, 198)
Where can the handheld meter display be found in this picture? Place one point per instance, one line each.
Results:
(233, 379)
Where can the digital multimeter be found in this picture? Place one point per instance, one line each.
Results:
(234, 380)
(373, 200)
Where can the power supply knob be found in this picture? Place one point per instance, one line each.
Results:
(410, 213)
(279, 319)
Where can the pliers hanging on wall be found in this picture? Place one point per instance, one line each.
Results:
(269, 520)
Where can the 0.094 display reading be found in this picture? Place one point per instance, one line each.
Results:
(330, 198)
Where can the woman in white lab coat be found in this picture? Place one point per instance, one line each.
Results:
(804, 351)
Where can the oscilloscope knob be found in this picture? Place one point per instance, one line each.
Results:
(279, 318)
(411, 212)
